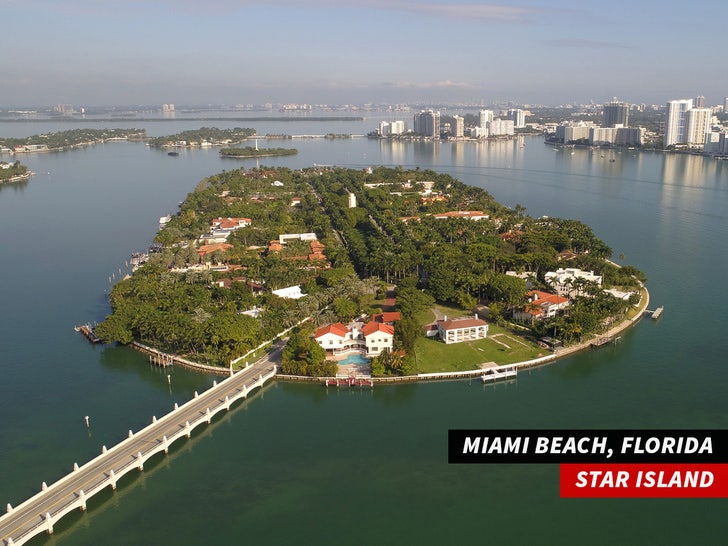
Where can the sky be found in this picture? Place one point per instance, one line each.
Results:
(129, 52)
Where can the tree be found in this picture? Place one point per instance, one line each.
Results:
(302, 355)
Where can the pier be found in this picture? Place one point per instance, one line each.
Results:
(494, 375)
(88, 331)
(39, 513)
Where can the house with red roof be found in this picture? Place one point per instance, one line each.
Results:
(372, 338)
(541, 305)
(378, 337)
(388, 317)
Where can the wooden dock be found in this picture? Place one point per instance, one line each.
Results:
(657, 313)
(88, 331)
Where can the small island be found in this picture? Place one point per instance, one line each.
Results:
(250, 151)
(391, 273)
(13, 172)
(203, 138)
(68, 140)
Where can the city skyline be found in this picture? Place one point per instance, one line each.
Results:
(91, 53)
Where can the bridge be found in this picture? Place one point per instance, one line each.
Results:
(40, 512)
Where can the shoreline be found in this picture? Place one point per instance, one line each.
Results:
(438, 376)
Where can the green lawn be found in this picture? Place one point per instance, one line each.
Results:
(434, 356)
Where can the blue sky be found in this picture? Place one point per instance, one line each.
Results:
(99, 52)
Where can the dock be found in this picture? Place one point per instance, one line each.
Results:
(493, 375)
(349, 382)
(88, 331)
(657, 313)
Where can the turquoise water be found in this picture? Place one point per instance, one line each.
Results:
(355, 358)
(305, 464)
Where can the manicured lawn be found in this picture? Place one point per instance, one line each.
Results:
(501, 346)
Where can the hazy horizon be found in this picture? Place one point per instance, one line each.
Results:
(94, 53)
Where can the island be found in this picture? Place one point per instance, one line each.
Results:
(390, 272)
(202, 138)
(249, 151)
(68, 140)
(13, 172)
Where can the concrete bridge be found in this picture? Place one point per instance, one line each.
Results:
(40, 512)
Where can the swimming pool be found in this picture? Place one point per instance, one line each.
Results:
(354, 358)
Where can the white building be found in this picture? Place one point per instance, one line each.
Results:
(564, 281)
(517, 116)
(464, 329)
(676, 121)
(289, 293)
(697, 126)
(458, 131)
(389, 128)
(486, 116)
(378, 337)
(499, 127)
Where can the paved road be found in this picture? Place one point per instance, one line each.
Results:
(28, 519)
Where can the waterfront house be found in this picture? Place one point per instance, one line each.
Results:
(371, 338)
(378, 337)
(463, 329)
(540, 306)
(567, 281)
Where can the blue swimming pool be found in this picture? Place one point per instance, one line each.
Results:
(354, 358)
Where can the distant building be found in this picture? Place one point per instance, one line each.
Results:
(676, 121)
(458, 131)
(500, 127)
(389, 128)
(486, 116)
(616, 113)
(518, 117)
(697, 126)
(427, 123)
(352, 200)
(699, 102)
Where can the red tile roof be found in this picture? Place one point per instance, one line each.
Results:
(337, 329)
(374, 327)
(387, 316)
(541, 297)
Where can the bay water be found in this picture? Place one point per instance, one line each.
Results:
(303, 464)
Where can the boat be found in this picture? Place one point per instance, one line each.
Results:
(173, 154)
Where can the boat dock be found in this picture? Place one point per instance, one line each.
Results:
(494, 375)
(88, 331)
(349, 382)
(657, 313)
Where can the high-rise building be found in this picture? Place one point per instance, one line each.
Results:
(699, 102)
(427, 123)
(616, 113)
(697, 126)
(459, 129)
(388, 128)
(676, 121)
(500, 127)
(486, 116)
(517, 116)
(725, 105)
